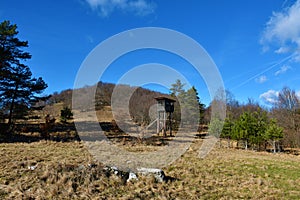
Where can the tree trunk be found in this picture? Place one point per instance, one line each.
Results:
(274, 146)
(278, 147)
(228, 142)
(11, 112)
(11, 108)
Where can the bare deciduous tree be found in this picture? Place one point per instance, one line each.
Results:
(287, 112)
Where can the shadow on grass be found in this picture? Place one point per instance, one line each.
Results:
(67, 132)
(89, 131)
(32, 133)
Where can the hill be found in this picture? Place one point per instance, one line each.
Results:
(139, 104)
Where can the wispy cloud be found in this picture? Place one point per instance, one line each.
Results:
(261, 79)
(269, 97)
(262, 72)
(137, 7)
(283, 31)
(282, 70)
(90, 39)
(282, 50)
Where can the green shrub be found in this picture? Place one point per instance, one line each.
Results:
(66, 114)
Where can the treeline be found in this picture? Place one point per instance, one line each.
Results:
(259, 128)
(255, 129)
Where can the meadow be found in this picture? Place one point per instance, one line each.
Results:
(66, 170)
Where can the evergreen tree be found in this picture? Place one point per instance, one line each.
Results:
(196, 101)
(251, 128)
(227, 129)
(177, 88)
(242, 128)
(259, 125)
(273, 133)
(188, 105)
(18, 89)
(191, 106)
(179, 93)
(215, 127)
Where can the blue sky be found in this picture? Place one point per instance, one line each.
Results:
(255, 44)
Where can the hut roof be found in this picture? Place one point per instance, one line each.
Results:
(165, 97)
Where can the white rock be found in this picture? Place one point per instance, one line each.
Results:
(158, 174)
(114, 168)
(132, 176)
(32, 167)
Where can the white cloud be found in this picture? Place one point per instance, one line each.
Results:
(283, 28)
(261, 79)
(106, 7)
(283, 50)
(298, 94)
(282, 70)
(270, 96)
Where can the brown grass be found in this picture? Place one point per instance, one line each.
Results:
(63, 172)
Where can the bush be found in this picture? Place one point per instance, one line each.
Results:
(65, 114)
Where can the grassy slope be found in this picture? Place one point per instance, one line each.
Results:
(62, 173)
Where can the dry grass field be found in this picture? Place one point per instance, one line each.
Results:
(57, 170)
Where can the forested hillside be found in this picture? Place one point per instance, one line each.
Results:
(140, 101)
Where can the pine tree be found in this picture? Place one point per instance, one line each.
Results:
(188, 107)
(179, 93)
(243, 127)
(215, 127)
(193, 106)
(18, 89)
(177, 88)
(227, 129)
(273, 133)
